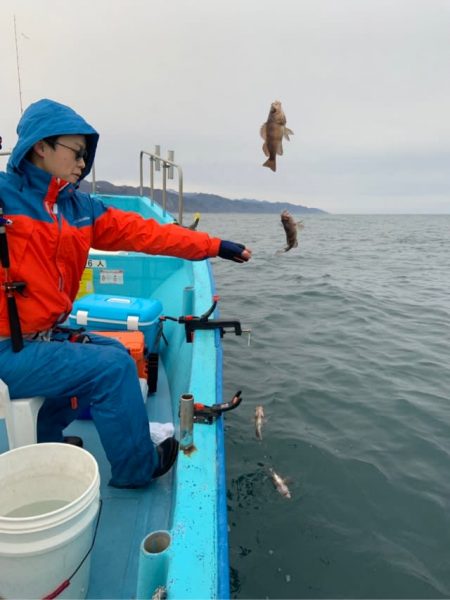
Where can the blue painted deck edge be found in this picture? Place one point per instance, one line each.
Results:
(223, 556)
(223, 561)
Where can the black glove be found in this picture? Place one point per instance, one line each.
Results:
(231, 251)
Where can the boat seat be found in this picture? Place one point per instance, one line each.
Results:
(20, 417)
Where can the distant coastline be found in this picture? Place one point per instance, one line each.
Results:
(206, 203)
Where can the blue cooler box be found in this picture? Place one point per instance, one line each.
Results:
(100, 312)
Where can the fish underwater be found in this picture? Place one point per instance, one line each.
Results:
(272, 132)
(291, 228)
(259, 418)
(280, 484)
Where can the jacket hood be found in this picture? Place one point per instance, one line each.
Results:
(45, 118)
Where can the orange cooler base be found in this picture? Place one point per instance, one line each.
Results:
(134, 343)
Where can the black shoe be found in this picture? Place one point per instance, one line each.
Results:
(167, 452)
(73, 440)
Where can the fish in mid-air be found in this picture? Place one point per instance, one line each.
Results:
(291, 227)
(259, 418)
(272, 132)
(280, 484)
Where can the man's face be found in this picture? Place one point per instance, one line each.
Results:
(66, 160)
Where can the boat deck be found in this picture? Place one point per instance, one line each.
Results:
(126, 518)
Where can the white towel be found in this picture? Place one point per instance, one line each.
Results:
(161, 431)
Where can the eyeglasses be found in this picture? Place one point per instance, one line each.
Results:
(82, 153)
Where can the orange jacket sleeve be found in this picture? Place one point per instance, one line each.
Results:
(115, 229)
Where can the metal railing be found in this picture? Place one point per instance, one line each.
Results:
(94, 182)
(155, 163)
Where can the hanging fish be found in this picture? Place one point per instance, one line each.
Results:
(272, 132)
(291, 227)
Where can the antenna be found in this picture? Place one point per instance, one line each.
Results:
(18, 67)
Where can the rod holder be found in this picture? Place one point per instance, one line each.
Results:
(186, 421)
(153, 564)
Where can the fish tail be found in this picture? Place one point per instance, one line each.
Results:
(270, 162)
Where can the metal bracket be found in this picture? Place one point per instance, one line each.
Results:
(192, 323)
(208, 414)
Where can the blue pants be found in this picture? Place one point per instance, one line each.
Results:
(101, 375)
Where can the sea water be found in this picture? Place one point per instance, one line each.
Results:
(349, 356)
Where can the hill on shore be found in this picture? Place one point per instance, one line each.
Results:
(199, 202)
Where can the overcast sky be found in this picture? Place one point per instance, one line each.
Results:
(365, 86)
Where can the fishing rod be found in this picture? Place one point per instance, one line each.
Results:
(18, 66)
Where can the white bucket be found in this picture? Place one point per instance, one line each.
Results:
(49, 498)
